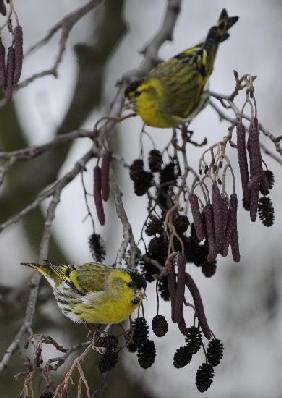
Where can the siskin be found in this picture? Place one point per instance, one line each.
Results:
(94, 292)
(172, 93)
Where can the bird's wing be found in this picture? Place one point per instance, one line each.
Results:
(183, 80)
(90, 277)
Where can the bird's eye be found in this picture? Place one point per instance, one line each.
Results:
(137, 93)
(131, 285)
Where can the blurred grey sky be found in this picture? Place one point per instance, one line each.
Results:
(238, 301)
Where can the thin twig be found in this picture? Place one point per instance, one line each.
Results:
(49, 191)
(128, 237)
(151, 49)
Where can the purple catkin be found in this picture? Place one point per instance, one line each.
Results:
(10, 74)
(254, 203)
(254, 149)
(225, 212)
(255, 167)
(169, 271)
(257, 180)
(2, 66)
(105, 176)
(199, 307)
(180, 289)
(224, 251)
(97, 195)
(172, 290)
(219, 217)
(198, 224)
(208, 212)
(3, 10)
(234, 243)
(18, 46)
(243, 163)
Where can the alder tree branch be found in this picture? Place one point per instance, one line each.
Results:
(151, 49)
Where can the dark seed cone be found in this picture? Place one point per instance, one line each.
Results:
(109, 342)
(155, 160)
(204, 377)
(132, 347)
(154, 227)
(209, 269)
(148, 269)
(182, 357)
(198, 223)
(146, 354)
(214, 352)
(97, 195)
(159, 325)
(163, 288)
(10, 74)
(136, 169)
(105, 176)
(18, 46)
(169, 174)
(194, 252)
(97, 247)
(209, 220)
(193, 339)
(143, 183)
(2, 66)
(140, 330)
(158, 249)
(266, 211)
(270, 178)
(243, 164)
(168, 177)
(181, 223)
(108, 361)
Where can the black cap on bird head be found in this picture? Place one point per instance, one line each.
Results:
(138, 280)
(224, 23)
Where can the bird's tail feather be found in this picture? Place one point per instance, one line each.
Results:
(46, 270)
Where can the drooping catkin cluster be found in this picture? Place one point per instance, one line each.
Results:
(101, 189)
(256, 182)
(216, 222)
(11, 60)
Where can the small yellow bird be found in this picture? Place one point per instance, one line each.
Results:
(94, 292)
(172, 93)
